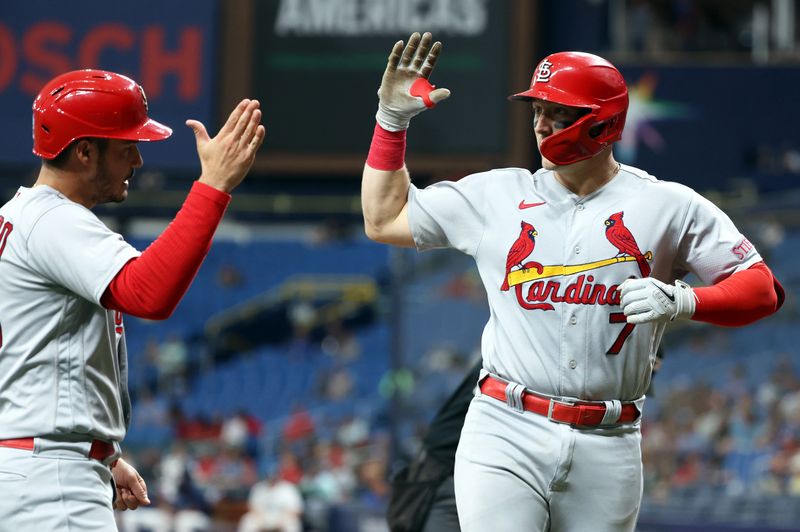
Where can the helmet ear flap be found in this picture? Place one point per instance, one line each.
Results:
(607, 130)
(597, 129)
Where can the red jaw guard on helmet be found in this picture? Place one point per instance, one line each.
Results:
(91, 103)
(578, 79)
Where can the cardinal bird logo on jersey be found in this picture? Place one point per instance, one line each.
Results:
(520, 250)
(622, 239)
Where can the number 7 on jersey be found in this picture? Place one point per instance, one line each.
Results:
(619, 317)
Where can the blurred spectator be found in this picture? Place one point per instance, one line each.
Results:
(743, 427)
(353, 431)
(173, 360)
(148, 375)
(373, 488)
(328, 482)
(299, 426)
(289, 468)
(199, 428)
(711, 421)
(337, 383)
(150, 425)
(340, 342)
(465, 285)
(794, 475)
(274, 505)
(737, 384)
(173, 468)
(242, 430)
(397, 382)
(302, 316)
(644, 36)
(690, 471)
(229, 276)
(191, 521)
(330, 478)
(331, 230)
(145, 519)
(234, 432)
(665, 27)
(233, 473)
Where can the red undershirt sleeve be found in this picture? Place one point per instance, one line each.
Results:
(151, 285)
(742, 298)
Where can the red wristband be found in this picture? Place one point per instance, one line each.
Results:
(388, 149)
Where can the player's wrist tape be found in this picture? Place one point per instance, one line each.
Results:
(388, 149)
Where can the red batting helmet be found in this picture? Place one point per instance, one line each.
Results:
(91, 103)
(578, 79)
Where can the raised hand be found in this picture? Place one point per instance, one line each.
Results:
(405, 91)
(226, 158)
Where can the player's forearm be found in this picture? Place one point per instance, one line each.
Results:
(384, 189)
(742, 298)
(152, 285)
(383, 198)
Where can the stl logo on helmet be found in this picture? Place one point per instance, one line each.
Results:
(544, 73)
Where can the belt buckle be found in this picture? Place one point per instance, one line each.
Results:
(553, 402)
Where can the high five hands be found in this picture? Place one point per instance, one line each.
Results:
(226, 158)
(405, 91)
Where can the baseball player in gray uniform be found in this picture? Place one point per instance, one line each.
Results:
(67, 279)
(582, 262)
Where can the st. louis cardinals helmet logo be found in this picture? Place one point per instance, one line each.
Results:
(544, 73)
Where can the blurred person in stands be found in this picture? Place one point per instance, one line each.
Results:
(372, 489)
(340, 342)
(230, 276)
(275, 505)
(234, 473)
(173, 361)
(300, 426)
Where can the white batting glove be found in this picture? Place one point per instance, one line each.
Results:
(648, 299)
(406, 66)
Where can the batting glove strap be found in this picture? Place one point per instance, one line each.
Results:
(396, 118)
(650, 300)
(685, 301)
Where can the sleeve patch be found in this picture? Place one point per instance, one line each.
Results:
(742, 249)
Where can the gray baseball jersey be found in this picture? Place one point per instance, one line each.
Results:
(552, 262)
(63, 361)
